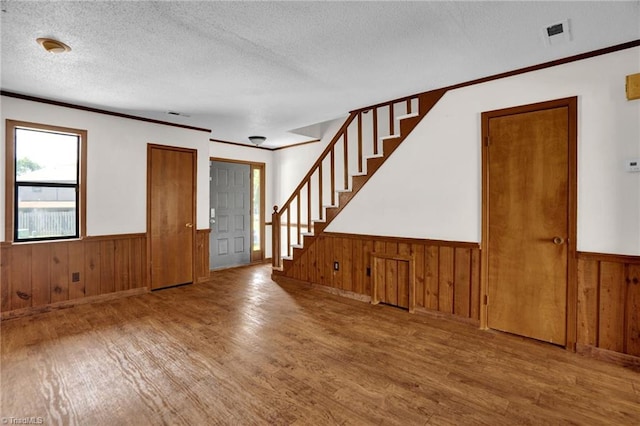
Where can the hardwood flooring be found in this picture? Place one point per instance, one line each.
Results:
(243, 350)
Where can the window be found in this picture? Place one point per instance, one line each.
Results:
(45, 182)
(256, 211)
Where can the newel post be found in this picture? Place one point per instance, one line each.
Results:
(275, 238)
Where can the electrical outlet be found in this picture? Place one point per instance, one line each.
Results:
(75, 277)
(336, 266)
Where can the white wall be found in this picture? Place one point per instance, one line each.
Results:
(431, 186)
(292, 164)
(116, 163)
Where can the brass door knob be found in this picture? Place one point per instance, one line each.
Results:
(558, 240)
(189, 225)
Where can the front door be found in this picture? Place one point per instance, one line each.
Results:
(230, 191)
(528, 220)
(171, 214)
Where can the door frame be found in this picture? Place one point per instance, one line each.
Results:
(194, 159)
(259, 255)
(572, 285)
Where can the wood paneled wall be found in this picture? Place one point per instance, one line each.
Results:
(447, 274)
(202, 255)
(40, 274)
(609, 302)
(446, 277)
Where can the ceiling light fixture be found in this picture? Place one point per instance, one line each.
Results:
(53, 46)
(257, 140)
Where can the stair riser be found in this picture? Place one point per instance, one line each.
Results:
(374, 164)
(390, 145)
(408, 124)
(318, 227)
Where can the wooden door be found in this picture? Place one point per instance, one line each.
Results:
(171, 215)
(230, 199)
(529, 227)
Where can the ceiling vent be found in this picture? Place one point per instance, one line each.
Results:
(557, 33)
(181, 114)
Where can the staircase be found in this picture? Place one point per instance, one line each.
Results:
(364, 142)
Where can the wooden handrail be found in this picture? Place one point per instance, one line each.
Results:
(384, 104)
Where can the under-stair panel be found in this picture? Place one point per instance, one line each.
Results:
(446, 275)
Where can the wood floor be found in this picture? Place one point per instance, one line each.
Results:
(243, 350)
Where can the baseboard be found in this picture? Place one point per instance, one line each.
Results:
(624, 360)
(447, 316)
(338, 292)
(25, 312)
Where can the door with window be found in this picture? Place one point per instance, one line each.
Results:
(230, 192)
(171, 214)
(236, 213)
(529, 217)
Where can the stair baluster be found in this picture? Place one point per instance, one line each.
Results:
(364, 162)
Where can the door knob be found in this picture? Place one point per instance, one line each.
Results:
(189, 225)
(558, 240)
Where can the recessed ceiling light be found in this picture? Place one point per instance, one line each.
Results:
(53, 46)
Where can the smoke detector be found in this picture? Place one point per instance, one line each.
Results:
(557, 33)
(53, 46)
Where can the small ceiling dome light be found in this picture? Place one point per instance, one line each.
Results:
(257, 140)
(53, 46)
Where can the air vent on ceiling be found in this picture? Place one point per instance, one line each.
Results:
(178, 113)
(557, 33)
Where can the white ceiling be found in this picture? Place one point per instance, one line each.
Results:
(266, 68)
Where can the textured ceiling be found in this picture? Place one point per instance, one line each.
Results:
(244, 68)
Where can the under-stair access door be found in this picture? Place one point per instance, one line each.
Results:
(230, 191)
(529, 218)
(393, 280)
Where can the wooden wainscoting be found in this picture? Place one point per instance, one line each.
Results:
(41, 276)
(202, 255)
(446, 274)
(609, 305)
